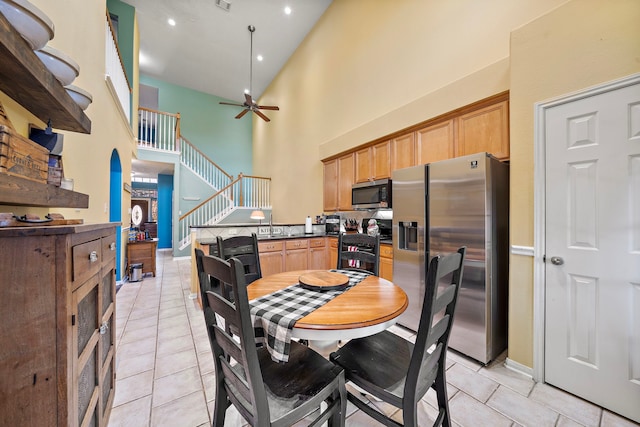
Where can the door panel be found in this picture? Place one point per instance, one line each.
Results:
(592, 336)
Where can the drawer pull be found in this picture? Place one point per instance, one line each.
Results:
(93, 256)
(104, 328)
(112, 246)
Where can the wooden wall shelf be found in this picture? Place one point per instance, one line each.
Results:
(23, 192)
(24, 78)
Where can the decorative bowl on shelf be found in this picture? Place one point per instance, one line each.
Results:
(80, 96)
(32, 24)
(61, 65)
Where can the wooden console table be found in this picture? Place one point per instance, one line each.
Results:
(143, 251)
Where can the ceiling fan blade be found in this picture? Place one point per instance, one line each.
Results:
(262, 116)
(248, 99)
(242, 113)
(268, 107)
(231, 103)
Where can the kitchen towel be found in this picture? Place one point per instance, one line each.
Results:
(274, 315)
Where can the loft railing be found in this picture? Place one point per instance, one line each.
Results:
(114, 71)
(245, 191)
(158, 130)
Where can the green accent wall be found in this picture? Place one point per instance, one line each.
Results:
(126, 17)
(208, 125)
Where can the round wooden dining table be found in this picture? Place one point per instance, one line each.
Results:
(369, 307)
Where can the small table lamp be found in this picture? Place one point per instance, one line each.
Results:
(257, 214)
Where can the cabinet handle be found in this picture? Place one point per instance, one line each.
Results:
(112, 246)
(104, 328)
(93, 256)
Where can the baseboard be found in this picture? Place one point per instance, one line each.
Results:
(518, 367)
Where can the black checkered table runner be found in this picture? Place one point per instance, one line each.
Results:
(276, 313)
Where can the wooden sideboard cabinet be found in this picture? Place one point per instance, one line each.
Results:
(143, 251)
(57, 317)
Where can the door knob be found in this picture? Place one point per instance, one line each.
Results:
(556, 260)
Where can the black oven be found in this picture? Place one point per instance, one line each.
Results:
(371, 195)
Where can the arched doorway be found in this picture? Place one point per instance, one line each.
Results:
(115, 205)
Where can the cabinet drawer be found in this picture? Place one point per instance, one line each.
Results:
(317, 243)
(270, 246)
(86, 259)
(333, 242)
(386, 251)
(108, 248)
(297, 244)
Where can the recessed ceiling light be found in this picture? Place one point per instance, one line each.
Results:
(171, 22)
(287, 10)
(246, 91)
(259, 58)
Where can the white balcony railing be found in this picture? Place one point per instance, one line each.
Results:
(114, 71)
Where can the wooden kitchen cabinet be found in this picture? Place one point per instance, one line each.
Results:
(57, 310)
(435, 142)
(271, 257)
(318, 259)
(484, 129)
(386, 261)
(144, 252)
(374, 162)
(339, 176)
(330, 187)
(333, 252)
(346, 177)
(403, 151)
(296, 254)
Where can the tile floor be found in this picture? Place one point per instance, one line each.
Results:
(165, 374)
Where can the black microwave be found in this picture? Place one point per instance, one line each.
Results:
(371, 195)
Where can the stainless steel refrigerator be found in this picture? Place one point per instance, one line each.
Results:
(439, 207)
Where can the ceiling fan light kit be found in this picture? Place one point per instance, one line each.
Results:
(249, 104)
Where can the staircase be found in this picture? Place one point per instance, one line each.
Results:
(160, 131)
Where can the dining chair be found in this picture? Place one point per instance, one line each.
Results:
(245, 248)
(359, 252)
(398, 372)
(265, 393)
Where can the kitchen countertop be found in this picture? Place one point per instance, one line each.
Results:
(264, 237)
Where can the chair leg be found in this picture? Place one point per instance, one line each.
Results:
(440, 386)
(338, 417)
(220, 408)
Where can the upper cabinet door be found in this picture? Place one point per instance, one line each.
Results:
(364, 163)
(381, 160)
(330, 193)
(403, 151)
(435, 142)
(486, 129)
(346, 177)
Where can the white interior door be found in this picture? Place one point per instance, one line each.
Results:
(592, 295)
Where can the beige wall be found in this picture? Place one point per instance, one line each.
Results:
(373, 67)
(578, 45)
(86, 157)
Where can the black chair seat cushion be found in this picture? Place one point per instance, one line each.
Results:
(290, 384)
(385, 367)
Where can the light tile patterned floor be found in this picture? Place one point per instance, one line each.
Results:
(165, 374)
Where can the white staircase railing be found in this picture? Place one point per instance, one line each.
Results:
(201, 165)
(160, 131)
(245, 191)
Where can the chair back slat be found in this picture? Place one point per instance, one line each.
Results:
(244, 248)
(233, 339)
(359, 249)
(441, 267)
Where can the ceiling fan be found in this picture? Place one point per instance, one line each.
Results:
(249, 104)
